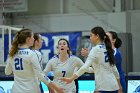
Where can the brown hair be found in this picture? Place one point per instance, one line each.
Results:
(100, 31)
(20, 38)
(36, 38)
(118, 41)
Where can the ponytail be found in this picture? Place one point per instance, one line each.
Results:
(14, 48)
(118, 43)
(20, 38)
(110, 51)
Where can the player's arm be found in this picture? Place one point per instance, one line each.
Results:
(38, 71)
(80, 63)
(91, 58)
(116, 73)
(8, 68)
(47, 70)
(48, 67)
(41, 75)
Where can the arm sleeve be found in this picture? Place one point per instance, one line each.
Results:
(115, 72)
(90, 59)
(8, 68)
(38, 71)
(80, 64)
(48, 67)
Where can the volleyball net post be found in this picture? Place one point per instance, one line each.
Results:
(5, 30)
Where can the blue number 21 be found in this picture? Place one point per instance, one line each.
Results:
(18, 64)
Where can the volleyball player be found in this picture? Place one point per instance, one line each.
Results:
(101, 58)
(24, 64)
(116, 43)
(64, 65)
(36, 46)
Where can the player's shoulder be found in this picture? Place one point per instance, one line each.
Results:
(54, 58)
(37, 52)
(99, 47)
(117, 53)
(73, 57)
(32, 52)
(24, 51)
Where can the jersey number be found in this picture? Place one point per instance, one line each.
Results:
(106, 56)
(64, 73)
(18, 64)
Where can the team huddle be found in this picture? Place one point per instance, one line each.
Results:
(104, 60)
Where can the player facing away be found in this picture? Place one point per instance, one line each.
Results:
(116, 43)
(101, 58)
(64, 65)
(36, 46)
(24, 65)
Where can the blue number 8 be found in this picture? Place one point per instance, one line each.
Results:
(106, 56)
(18, 64)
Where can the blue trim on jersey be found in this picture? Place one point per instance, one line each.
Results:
(58, 56)
(38, 57)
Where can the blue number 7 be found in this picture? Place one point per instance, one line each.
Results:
(64, 72)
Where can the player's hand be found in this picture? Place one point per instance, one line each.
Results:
(84, 52)
(120, 91)
(67, 80)
(51, 90)
(59, 90)
(55, 88)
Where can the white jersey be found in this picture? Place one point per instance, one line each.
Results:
(105, 75)
(64, 69)
(25, 67)
(40, 57)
